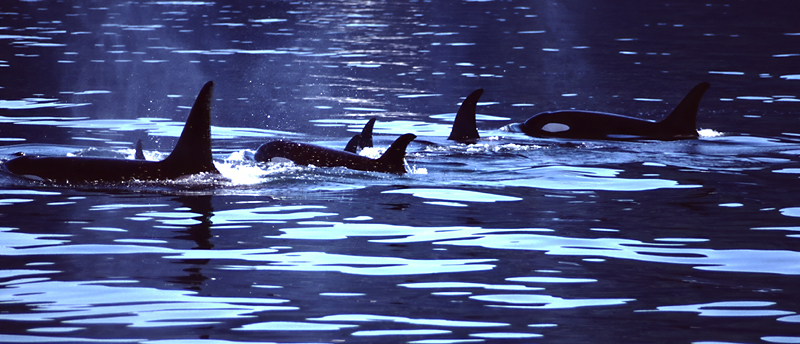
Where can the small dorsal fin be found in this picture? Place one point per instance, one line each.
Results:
(682, 120)
(394, 157)
(192, 153)
(139, 155)
(464, 127)
(352, 145)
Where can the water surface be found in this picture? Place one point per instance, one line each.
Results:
(513, 239)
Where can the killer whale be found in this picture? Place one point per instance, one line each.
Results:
(679, 124)
(392, 161)
(362, 140)
(191, 155)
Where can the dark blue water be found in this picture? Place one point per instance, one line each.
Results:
(512, 240)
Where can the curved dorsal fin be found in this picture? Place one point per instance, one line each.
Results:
(394, 157)
(682, 120)
(464, 127)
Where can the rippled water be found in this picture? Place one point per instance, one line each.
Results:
(513, 239)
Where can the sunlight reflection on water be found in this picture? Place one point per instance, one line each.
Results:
(143, 307)
(512, 238)
(455, 195)
(729, 309)
(585, 178)
(529, 301)
(348, 264)
(768, 261)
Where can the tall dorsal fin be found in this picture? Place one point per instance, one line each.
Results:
(464, 127)
(394, 157)
(682, 120)
(192, 153)
(139, 155)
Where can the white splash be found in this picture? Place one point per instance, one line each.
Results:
(372, 152)
(709, 133)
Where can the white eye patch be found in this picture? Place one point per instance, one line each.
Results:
(555, 127)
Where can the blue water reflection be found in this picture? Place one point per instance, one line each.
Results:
(358, 265)
(132, 306)
(729, 309)
(513, 238)
(760, 261)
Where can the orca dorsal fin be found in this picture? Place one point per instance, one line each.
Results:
(366, 134)
(682, 120)
(362, 140)
(192, 153)
(352, 145)
(464, 127)
(393, 160)
(139, 155)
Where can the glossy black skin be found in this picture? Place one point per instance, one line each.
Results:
(392, 160)
(680, 124)
(192, 155)
(71, 170)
